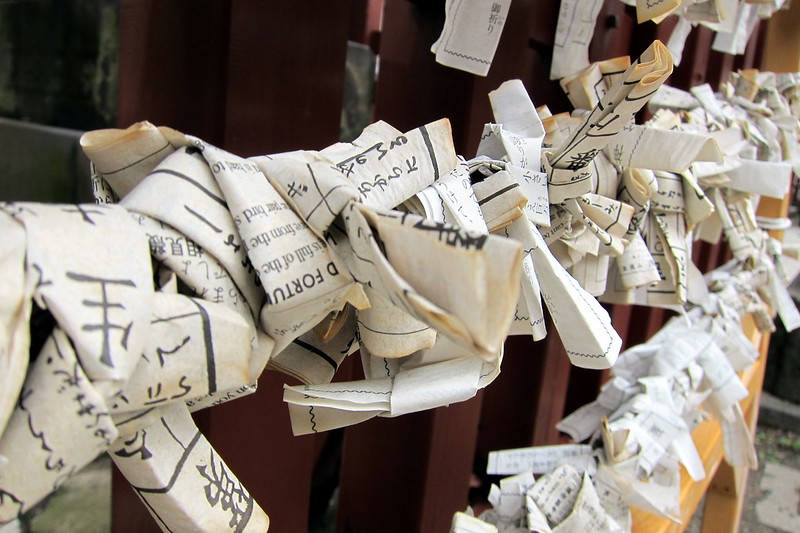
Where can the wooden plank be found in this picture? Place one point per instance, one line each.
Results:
(128, 515)
(782, 47)
(173, 60)
(284, 91)
(161, 46)
(285, 77)
(722, 500)
(413, 89)
(551, 394)
(644, 323)
(754, 52)
(584, 384)
(522, 374)
(612, 32)
(254, 437)
(694, 64)
(218, 70)
(523, 405)
(722, 511)
(365, 22)
(708, 437)
(643, 36)
(719, 68)
(450, 463)
(706, 255)
(408, 474)
(774, 208)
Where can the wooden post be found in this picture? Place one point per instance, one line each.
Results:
(253, 78)
(722, 511)
(782, 48)
(408, 474)
(284, 91)
(173, 65)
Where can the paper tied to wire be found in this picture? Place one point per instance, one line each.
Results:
(468, 523)
(584, 231)
(592, 231)
(435, 375)
(742, 147)
(208, 245)
(677, 38)
(121, 158)
(765, 260)
(517, 139)
(470, 35)
(182, 480)
(543, 275)
(636, 266)
(574, 31)
(606, 218)
(301, 279)
(195, 349)
(451, 199)
(655, 11)
(668, 97)
(296, 299)
(540, 459)
(497, 194)
(568, 165)
(562, 501)
(348, 194)
(59, 425)
(393, 245)
(102, 297)
(735, 39)
(146, 168)
(107, 353)
(475, 306)
(659, 494)
(766, 178)
(656, 268)
(209, 344)
(585, 88)
(430, 378)
(570, 306)
(732, 21)
(644, 415)
(642, 146)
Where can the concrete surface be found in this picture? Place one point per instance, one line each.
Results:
(779, 508)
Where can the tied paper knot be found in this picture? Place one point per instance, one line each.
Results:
(133, 355)
(347, 193)
(645, 413)
(115, 361)
(517, 139)
(477, 195)
(569, 167)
